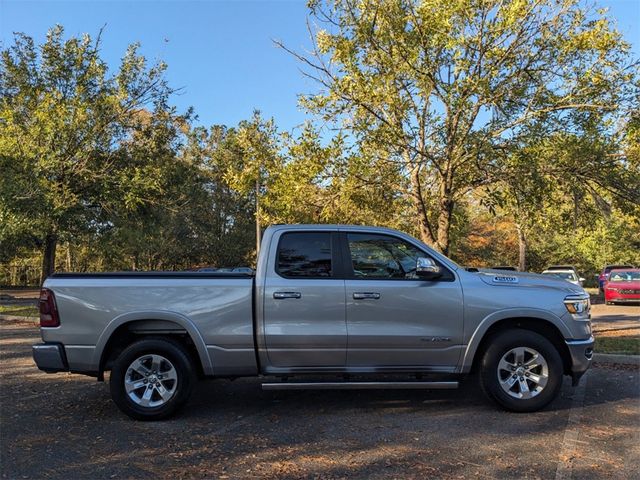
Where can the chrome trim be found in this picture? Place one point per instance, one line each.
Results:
(576, 343)
(358, 385)
(426, 265)
(366, 295)
(577, 296)
(282, 295)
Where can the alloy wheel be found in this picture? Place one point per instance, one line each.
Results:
(151, 381)
(523, 372)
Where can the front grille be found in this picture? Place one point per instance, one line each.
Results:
(629, 292)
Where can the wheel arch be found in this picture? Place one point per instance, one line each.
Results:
(124, 328)
(548, 326)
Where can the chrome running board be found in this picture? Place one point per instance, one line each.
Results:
(358, 385)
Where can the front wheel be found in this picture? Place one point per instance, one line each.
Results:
(521, 370)
(151, 379)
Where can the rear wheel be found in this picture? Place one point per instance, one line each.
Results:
(521, 370)
(151, 379)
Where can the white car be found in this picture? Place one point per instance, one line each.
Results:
(568, 275)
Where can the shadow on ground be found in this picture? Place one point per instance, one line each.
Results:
(65, 426)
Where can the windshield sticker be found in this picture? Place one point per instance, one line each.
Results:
(505, 279)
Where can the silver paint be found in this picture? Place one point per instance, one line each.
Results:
(315, 325)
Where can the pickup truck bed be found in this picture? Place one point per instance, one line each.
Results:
(213, 309)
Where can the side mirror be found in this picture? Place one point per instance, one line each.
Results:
(427, 269)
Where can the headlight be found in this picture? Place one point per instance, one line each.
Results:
(576, 305)
(613, 289)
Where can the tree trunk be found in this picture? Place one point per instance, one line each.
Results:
(426, 235)
(69, 261)
(522, 249)
(444, 224)
(575, 211)
(49, 256)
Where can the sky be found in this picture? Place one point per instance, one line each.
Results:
(219, 53)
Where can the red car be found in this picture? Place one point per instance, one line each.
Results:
(622, 285)
(602, 278)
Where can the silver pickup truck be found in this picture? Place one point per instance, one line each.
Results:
(330, 306)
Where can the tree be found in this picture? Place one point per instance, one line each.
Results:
(226, 215)
(579, 172)
(325, 182)
(445, 88)
(258, 142)
(61, 115)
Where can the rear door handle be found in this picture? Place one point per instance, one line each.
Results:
(366, 296)
(282, 295)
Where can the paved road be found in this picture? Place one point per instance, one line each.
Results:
(615, 316)
(65, 426)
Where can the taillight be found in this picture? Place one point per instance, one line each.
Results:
(48, 309)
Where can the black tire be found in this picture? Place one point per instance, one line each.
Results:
(499, 346)
(177, 358)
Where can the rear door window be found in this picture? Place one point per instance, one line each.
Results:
(305, 255)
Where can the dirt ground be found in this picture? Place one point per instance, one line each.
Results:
(65, 426)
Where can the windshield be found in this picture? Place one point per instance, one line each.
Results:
(624, 276)
(608, 268)
(563, 275)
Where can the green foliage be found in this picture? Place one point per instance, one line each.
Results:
(483, 127)
(98, 162)
(446, 88)
(325, 183)
(61, 114)
(599, 241)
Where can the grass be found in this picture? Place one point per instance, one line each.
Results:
(627, 345)
(19, 310)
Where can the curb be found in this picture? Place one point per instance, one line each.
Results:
(620, 359)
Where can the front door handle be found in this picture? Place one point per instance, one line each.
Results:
(281, 295)
(366, 296)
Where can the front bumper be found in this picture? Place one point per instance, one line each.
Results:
(622, 298)
(50, 357)
(581, 352)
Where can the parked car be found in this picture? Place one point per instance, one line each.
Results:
(602, 278)
(332, 301)
(622, 286)
(568, 275)
(563, 268)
